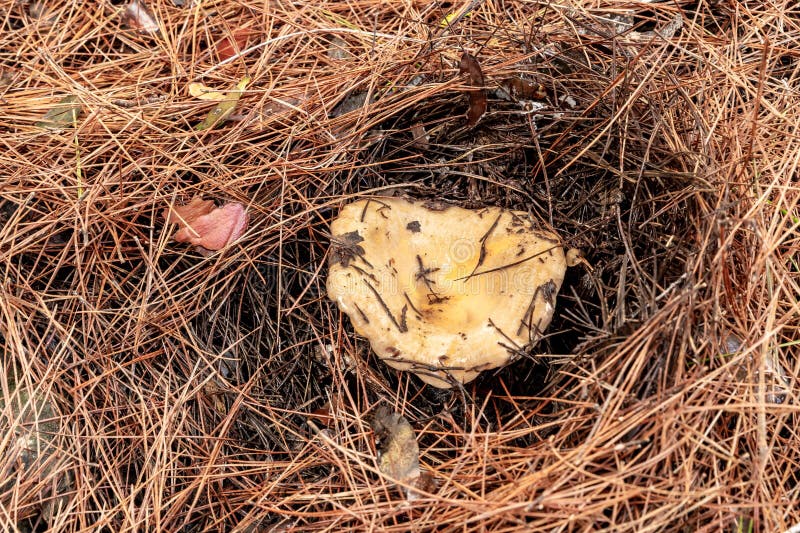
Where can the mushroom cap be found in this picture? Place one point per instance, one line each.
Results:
(444, 292)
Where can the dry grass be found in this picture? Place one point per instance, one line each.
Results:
(180, 386)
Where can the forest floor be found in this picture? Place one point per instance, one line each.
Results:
(149, 384)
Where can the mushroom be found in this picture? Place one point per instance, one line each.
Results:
(442, 291)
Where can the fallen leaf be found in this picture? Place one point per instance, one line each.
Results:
(225, 108)
(420, 136)
(231, 45)
(323, 415)
(6, 77)
(137, 16)
(64, 115)
(207, 226)
(216, 394)
(470, 66)
(477, 97)
(217, 229)
(198, 90)
(398, 451)
(31, 454)
(185, 214)
(525, 89)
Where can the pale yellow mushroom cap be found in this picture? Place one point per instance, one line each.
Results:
(444, 292)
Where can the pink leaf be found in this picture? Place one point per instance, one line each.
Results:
(137, 16)
(185, 214)
(212, 229)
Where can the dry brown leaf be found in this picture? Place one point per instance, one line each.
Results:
(323, 415)
(398, 451)
(216, 394)
(420, 135)
(231, 45)
(477, 97)
(525, 89)
(6, 77)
